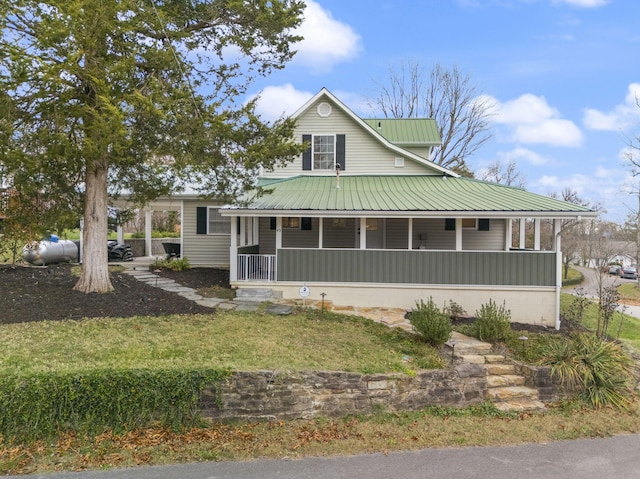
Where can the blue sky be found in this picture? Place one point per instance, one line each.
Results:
(563, 75)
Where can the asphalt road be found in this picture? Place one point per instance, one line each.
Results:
(615, 457)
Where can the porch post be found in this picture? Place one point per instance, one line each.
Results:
(557, 246)
(458, 234)
(536, 234)
(363, 233)
(256, 230)
(120, 233)
(508, 234)
(410, 238)
(278, 233)
(233, 252)
(523, 222)
(148, 251)
(243, 230)
(320, 231)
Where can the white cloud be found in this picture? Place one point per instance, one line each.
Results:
(522, 154)
(621, 117)
(327, 41)
(283, 100)
(530, 119)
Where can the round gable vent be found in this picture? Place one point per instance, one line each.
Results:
(324, 109)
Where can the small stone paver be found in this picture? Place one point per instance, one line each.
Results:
(176, 288)
(279, 309)
(227, 305)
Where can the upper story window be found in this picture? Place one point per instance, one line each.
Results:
(324, 152)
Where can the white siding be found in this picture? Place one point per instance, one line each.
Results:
(364, 154)
(203, 250)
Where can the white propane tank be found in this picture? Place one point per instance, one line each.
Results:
(41, 253)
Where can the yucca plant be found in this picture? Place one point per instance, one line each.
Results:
(598, 370)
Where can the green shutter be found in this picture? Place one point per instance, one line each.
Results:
(305, 224)
(450, 224)
(340, 152)
(201, 220)
(483, 224)
(306, 155)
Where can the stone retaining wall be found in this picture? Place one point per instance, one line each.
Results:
(137, 245)
(279, 395)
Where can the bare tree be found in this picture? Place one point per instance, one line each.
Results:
(446, 95)
(504, 173)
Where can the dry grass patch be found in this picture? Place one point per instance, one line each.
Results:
(434, 427)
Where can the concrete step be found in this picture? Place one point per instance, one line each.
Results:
(520, 405)
(505, 380)
(254, 294)
(511, 393)
(498, 369)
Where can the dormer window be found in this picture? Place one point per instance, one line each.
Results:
(324, 152)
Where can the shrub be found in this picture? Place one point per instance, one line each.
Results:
(599, 370)
(431, 324)
(454, 310)
(181, 264)
(493, 322)
(43, 405)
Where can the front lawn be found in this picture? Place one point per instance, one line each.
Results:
(309, 340)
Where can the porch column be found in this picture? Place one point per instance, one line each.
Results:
(243, 230)
(120, 233)
(233, 253)
(523, 223)
(148, 251)
(278, 233)
(508, 234)
(410, 238)
(557, 247)
(320, 231)
(458, 234)
(363, 233)
(256, 230)
(536, 234)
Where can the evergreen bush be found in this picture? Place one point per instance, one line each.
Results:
(493, 322)
(432, 325)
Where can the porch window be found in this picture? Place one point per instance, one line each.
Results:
(218, 224)
(324, 152)
(291, 222)
(469, 224)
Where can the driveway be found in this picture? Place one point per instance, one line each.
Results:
(591, 286)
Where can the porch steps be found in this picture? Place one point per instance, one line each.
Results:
(505, 387)
(257, 295)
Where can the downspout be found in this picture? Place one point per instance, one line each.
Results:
(559, 264)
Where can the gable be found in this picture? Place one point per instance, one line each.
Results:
(365, 150)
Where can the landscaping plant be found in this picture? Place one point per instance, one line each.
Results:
(597, 369)
(433, 326)
(493, 322)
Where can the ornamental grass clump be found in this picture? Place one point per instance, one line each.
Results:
(433, 326)
(597, 369)
(493, 322)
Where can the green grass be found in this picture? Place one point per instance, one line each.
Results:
(629, 292)
(573, 277)
(239, 341)
(629, 330)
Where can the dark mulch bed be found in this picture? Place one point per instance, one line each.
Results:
(46, 293)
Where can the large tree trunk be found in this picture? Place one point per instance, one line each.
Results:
(94, 277)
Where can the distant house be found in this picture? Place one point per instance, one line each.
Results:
(363, 217)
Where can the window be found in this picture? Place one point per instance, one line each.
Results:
(469, 224)
(291, 222)
(324, 152)
(218, 224)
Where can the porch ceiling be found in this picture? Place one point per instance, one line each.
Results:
(405, 196)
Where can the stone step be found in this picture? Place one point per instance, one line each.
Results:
(511, 393)
(471, 358)
(254, 294)
(505, 380)
(500, 369)
(494, 358)
(520, 405)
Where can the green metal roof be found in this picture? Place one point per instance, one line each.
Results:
(407, 131)
(396, 194)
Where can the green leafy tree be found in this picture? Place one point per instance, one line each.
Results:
(101, 97)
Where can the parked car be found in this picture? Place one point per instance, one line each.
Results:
(629, 273)
(614, 269)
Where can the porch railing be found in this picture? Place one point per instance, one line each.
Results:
(256, 267)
